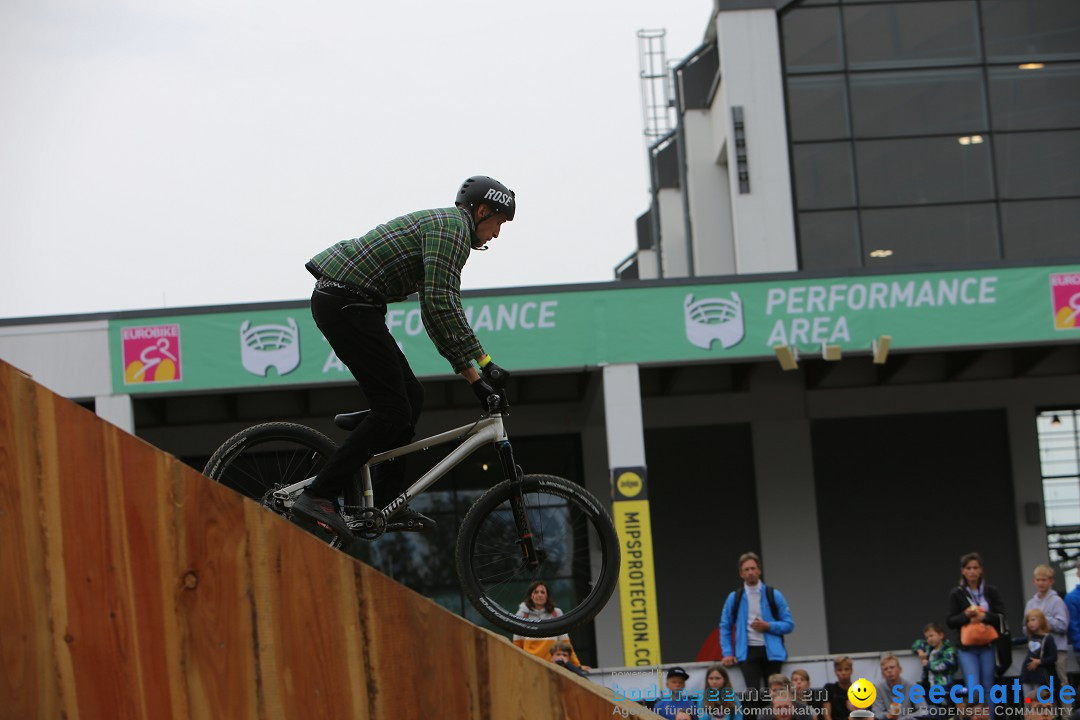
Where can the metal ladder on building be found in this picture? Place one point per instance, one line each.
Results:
(656, 91)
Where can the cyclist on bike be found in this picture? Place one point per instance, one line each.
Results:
(421, 252)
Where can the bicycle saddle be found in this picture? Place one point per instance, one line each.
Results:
(350, 421)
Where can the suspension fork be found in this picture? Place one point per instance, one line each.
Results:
(517, 504)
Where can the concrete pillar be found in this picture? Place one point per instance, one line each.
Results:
(116, 409)
(787, 518)
(637, 600)
(622, 416)
(708, 191)
(673, 257)
(608, 624)
(763, 219)
(1027, 488)
(648, 267)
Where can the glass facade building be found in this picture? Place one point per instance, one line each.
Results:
(933, 132)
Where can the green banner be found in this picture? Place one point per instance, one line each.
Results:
(580, 328)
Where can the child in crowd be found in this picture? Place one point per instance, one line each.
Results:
(1036, 708)
(676, 685)
(1057, 615)
(718, 698)
(819, 708)
(782, 703)
(562, 654)
(779, 685)
(1039, 665)
(939, 658)
(837, 691)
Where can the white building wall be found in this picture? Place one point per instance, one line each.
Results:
(71, 359)
(117, 409)
(709, 193)
(752, 78)
(673, 255)
(648, 268)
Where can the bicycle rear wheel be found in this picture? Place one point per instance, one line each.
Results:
(577, 554)
(261, 459)
(264, 458)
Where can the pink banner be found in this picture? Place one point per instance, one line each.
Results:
(1065, 290)
(151, 354)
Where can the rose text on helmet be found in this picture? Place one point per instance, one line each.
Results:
(499, 197)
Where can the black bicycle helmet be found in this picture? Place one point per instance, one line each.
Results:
(482, 189)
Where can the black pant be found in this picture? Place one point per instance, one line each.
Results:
(357, 331)
(757, 667)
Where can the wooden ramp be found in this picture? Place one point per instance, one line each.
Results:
(133, 587)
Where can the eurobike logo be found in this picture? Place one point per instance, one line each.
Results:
(712, 319)
(270, 346)
(151, 354)
(1065, 295)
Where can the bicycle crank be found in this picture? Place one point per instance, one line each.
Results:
(368, 523)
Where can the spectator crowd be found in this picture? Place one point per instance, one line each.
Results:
(755, 618)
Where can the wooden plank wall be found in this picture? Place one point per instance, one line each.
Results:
(133, 587)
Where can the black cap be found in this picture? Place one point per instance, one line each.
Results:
(678, 672)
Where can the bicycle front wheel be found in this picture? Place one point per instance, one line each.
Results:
(577, 554)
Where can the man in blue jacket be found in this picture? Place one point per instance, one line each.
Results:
(1072, 604)
(753, 625)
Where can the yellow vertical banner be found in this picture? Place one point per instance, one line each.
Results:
(637, 579)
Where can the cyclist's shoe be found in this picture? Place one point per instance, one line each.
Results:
(409, 520)
(324, 512)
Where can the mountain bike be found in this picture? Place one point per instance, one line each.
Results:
(526, 528)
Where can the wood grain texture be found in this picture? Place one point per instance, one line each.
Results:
(133, 587)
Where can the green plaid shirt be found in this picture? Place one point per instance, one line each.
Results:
(422, 252)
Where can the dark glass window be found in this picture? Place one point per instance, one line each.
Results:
(1036, 99)
(911, 34)
(829, 240)
(895, 146)
(931, 235)
(812, 40)
(817, 106)
(923, 170)
(926, 102)
(823, 176)
(1026, 30)
(1041, 229)
(1038, 165)
(697, 78)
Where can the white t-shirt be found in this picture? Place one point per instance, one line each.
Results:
(753, 612)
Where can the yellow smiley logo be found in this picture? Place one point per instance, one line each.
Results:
(862, 693)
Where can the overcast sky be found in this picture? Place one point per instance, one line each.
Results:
(161, 155)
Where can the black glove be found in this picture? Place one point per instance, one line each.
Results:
(495, 375)
(485, 394)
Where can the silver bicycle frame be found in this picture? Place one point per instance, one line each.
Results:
(486, 430)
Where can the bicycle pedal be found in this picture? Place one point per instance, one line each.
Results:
(409, 526)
